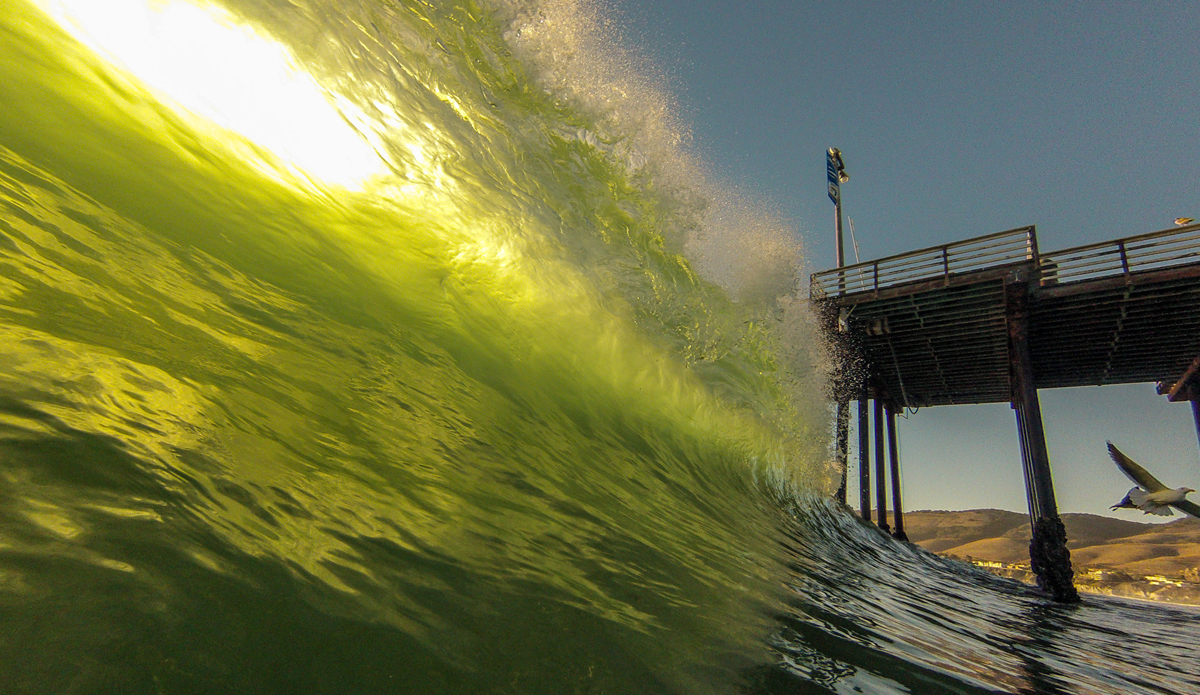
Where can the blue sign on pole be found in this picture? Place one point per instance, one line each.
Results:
(831, 172)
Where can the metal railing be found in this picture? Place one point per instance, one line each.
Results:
(991, 251)
(1144, 252)
(1153, 251)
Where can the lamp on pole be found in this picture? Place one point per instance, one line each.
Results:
(835, 172)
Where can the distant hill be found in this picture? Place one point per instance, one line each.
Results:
(1094, 541)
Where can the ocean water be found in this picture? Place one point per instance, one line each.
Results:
(369, 346)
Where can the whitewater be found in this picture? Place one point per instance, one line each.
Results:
(381, 346)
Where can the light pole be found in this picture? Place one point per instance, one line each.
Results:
(835, 172)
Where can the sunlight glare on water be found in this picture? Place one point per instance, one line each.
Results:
(200, 59)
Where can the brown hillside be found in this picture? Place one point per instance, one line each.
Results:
(1001, 549)
(1089, 529)
(938, 531)
(1139, 549)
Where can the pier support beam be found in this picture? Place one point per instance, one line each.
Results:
(1196, 414)
(1048, 554)
(880, 470)
(843, 444)
(864, 457)
(1186, 388)
(894, 458)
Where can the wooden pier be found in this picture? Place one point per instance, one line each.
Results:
(994, 319)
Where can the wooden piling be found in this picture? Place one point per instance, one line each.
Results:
(843, 443)
(1185, 388)
(1048, 555)
(1196, 414)
(894, 458)
(864, 457)
(880, 469)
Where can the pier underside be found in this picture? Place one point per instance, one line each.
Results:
(992, 320)
(943, 340)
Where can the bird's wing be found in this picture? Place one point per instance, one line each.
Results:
(1133, 471)
(1188, 507)
(1125, 502)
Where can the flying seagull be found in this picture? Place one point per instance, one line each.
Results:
(1151, 496)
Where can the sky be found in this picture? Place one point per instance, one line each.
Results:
(957, 120)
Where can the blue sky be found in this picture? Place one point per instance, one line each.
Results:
(956, 120)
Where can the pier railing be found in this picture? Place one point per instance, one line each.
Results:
(938, 265)
(1144, 252)
(985, 252)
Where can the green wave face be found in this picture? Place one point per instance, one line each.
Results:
(347, 342)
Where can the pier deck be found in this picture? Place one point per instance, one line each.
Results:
(931, 326)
